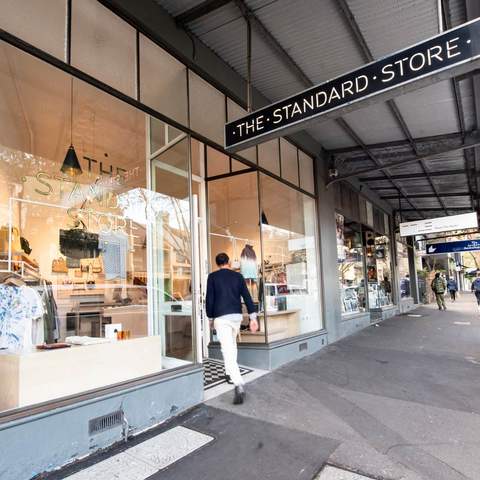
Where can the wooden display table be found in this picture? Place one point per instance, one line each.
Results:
(281, 324)
(39, 375)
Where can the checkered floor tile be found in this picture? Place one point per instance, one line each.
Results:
(214, 373)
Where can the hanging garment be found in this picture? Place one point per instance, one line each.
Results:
(114, 248)
(248, 263)
(19, 306)
(50, 317)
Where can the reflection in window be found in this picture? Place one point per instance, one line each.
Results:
(351, 271)
(97, 258)
(403, 269)
(290, 260)
(378, 271)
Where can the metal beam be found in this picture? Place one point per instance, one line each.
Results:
(372, 157)
(273, 43)
(458, 99)
(408, 176)
(452, 209)
(289, 62)
(200, 10)
(454, 138)
(471, 140)
(367, 54)
(426, 195)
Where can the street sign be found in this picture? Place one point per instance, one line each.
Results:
(453, 247)
(414, 66)
(441, 224)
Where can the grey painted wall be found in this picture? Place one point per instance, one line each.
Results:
(42, 442)
(332, 313)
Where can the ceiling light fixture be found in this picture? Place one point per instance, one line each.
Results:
(71, 165)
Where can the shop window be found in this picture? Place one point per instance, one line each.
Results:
(198, 158)
(235, 230)
(103, 45)
(307, 172)
(97, 262)
(289, 159)
(217, 162)
(42, 24)
(163, 81)
(234, 112)
(207, 109)
(380, 291)
(403, 270)
(289, 238)
(269, 156)
(351, 268)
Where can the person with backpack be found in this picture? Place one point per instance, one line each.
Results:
(452, 288)
(476, 288)
(439, 285)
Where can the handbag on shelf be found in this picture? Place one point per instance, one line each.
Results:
(5, 238)
(59, 265)
(97, 265)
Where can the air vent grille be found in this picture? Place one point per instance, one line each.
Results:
(105, 422)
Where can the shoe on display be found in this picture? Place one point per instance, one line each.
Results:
(239, 395)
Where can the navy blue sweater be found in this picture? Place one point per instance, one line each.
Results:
(224, 289)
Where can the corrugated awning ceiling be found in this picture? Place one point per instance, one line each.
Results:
(320, 39)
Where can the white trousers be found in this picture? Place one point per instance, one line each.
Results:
(227, 331)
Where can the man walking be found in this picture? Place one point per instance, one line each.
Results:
(452, 288)
(476, 288)
(439, 286)
(225, 289)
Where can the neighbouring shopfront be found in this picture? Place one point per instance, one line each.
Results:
(115, 194)
(364, 260)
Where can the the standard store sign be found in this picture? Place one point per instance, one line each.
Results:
(437, 54)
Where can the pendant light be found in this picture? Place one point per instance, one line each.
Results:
(71, 165)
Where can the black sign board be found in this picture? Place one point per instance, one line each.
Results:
(443, 52)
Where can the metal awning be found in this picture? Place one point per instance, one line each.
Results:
(298, 44)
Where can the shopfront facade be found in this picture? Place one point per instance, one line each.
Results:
(115, 196)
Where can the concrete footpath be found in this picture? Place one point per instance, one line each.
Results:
(396, 401)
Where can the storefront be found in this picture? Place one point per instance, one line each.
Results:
(115, 194)
(364, 261)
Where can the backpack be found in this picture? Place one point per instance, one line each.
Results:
(476, 285)
(438, 285)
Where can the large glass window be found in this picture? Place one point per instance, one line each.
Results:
(351, 268)
(235, 230)
(42, 24)
(403, 269)
(289, 260)
(103, 45)
(207, 109)
(380, 291)
(269, 156)
(163, 81)
(95, 250)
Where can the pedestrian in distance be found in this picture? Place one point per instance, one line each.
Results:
(225, 289)
(439, 285)
(452, 288)
(476, 288)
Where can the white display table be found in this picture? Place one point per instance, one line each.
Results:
(41, 375)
